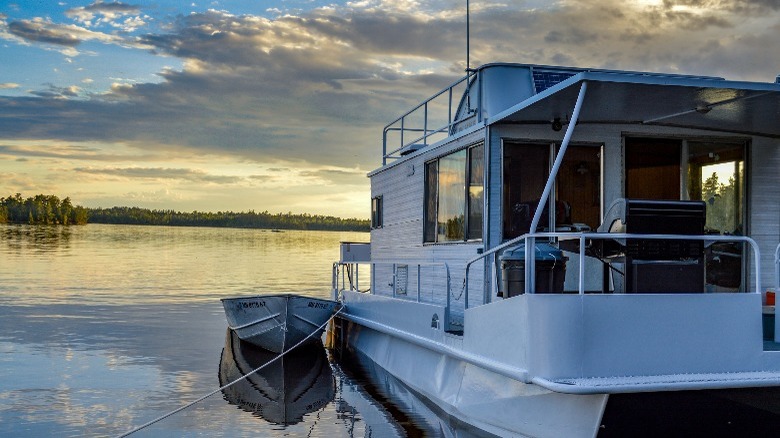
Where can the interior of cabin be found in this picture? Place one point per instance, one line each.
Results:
(661, 169)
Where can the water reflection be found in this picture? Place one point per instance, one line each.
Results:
(298, 383)
(310, 381)
(106, 327)
(38, 238)
(385, 402)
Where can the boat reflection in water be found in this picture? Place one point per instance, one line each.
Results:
(298, 383)
(360, 398)
(388, 406)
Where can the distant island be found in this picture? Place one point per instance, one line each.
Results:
(50, 210)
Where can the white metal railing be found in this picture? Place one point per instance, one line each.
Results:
(777, 269)
(424, 132)
(530, 261)
(346, 277)
(347, 273)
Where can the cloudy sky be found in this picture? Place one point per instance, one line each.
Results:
(279, 105)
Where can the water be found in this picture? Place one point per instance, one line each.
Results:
(106, 327)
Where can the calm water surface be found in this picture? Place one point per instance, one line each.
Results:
(106, 327)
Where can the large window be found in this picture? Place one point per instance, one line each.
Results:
(454, 196)
(709, 171)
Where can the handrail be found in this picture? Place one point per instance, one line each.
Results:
(530, 261)
(335, 280)
(777, 269)
(491, 251)
(427, 132)
(447, 311)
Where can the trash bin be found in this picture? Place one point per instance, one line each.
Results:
(550, 270)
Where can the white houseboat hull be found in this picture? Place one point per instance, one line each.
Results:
(475, 389)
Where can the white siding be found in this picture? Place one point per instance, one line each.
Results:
(764, 195)
(400, 240)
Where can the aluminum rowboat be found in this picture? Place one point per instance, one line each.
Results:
(277, 322)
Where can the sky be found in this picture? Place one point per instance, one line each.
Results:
(279, 105)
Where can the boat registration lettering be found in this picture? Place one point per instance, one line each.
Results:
(252, 304)
(318, 305)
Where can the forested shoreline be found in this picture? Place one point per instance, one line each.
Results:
(50, 210)
(41, 210)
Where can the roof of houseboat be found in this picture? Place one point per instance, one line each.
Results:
(653, 99)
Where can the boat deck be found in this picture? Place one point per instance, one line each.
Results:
(688, 381)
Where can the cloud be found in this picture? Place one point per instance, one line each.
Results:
(81, 152)
(99, 13)
(742, 7)
(43, 30)
(46, 32)
(318, 86)
(159, 173)
(339, 177)
(8, 85)
(54, 92)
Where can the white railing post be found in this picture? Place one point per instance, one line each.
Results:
(530, 264)
(559, 159)
(582, 266)
(418, 282)
(777, 269)
(777, 291)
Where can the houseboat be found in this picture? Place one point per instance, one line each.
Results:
(550, 242)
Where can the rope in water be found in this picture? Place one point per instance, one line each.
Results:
(143, 426)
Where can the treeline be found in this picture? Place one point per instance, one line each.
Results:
(50, 210)
(250, 219)
(41, 210)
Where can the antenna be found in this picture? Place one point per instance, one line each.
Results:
(468, 63)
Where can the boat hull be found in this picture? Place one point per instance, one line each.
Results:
(277, 322)
(480, 397)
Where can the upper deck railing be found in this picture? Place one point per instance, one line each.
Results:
(428, 122)
(482, 93)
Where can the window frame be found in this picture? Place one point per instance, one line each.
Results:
(432, 193)
(377, 213)
(551, 150)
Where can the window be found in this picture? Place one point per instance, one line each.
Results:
(652, 168)
(577, 192)
(716, 175)
(713, 172)
(702, 170)
(454, 196)
(376, 212)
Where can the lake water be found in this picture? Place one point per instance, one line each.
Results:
(104, 328)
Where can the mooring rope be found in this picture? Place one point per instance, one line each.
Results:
(144, 426)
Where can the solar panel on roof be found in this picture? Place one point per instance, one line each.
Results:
(546, 79)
